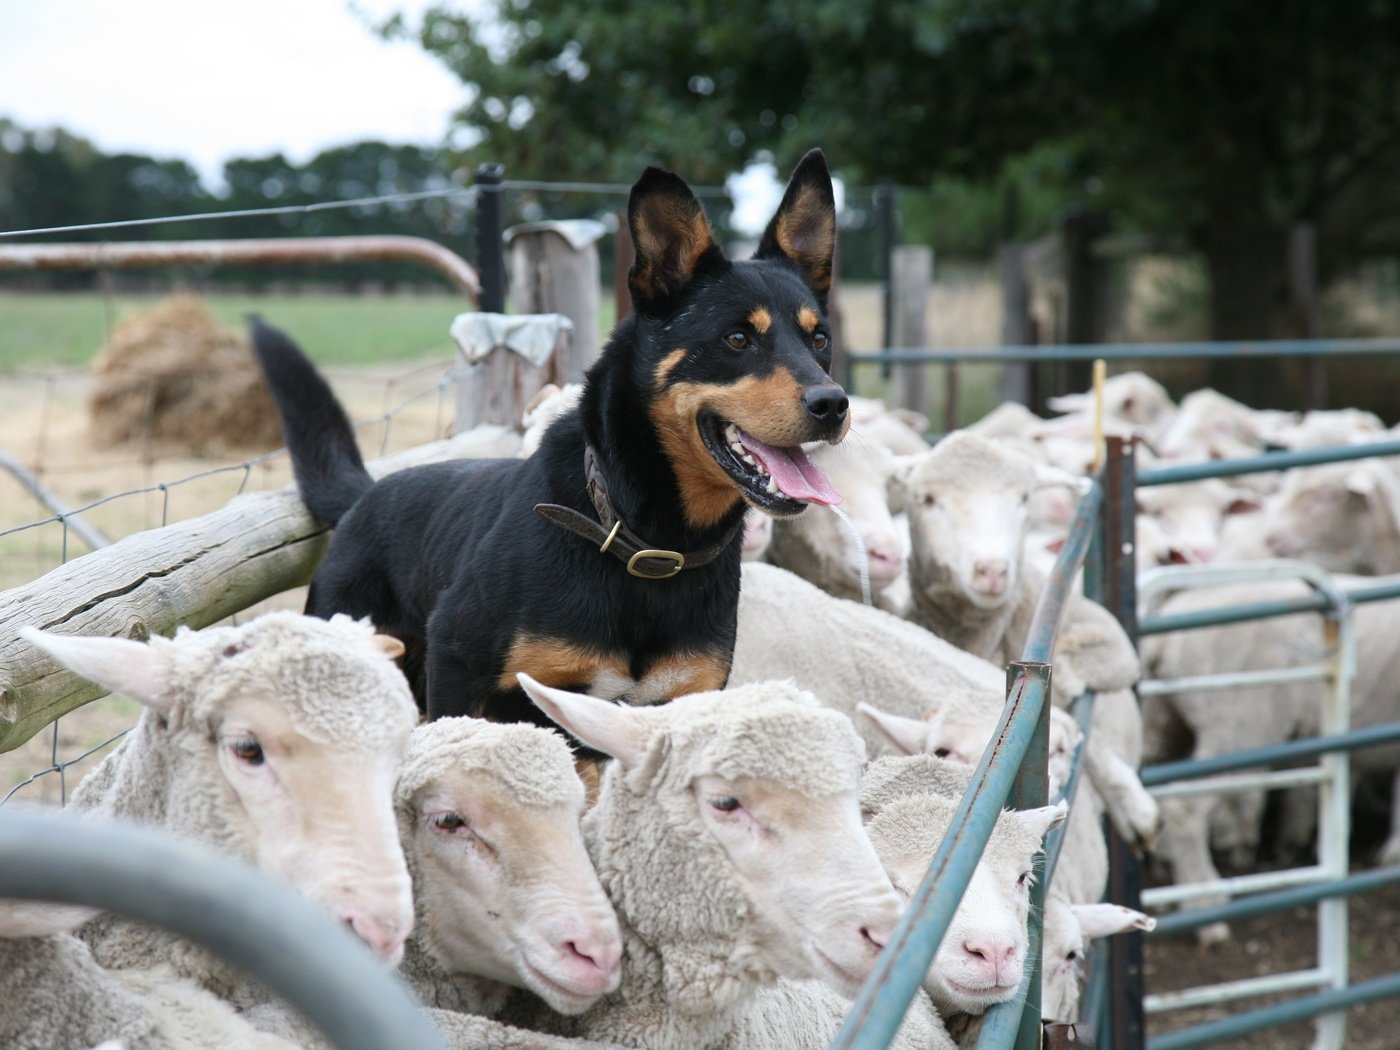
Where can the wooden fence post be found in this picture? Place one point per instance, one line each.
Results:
(911, 273)
(507, 358)
(554, 270)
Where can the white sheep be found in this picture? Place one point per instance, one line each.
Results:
(1067, 932)
(1209, 425)
(901, 430)
(960, 731)
(1131, 400)
(276, 741)
(845, 652)
(728, 836)
(967, 500)
(1259, 716)
(548, 404)
(1344, 517)
(835, 547)
(55, 995)
(504, 890)
(981, 959)
(1192, 515)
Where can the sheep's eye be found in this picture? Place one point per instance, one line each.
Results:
(448, 822)
(929, 499)
(247, 750)
(1071, 956)
(1023, 878)
(737, 340)
(725, 803)
(820, 341)
(942, 752)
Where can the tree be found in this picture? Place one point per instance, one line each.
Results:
(1223, 123)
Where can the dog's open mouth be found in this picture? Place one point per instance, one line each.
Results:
(776, 480)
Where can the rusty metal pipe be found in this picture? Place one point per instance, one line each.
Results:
(264, 251)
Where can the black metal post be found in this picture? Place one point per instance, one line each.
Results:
(490, 249)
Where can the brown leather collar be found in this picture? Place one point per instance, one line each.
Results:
(615, 538)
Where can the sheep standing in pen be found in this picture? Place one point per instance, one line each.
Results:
(728, 836)
(857, 551)
(1344, 517)
(1068, 931)
(908, 808)
(1200, 725)
(276, 741)
(967, 501)
(960, 730)
(846, 653)
(54, 996)
(504, 890)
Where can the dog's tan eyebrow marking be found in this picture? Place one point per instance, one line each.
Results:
(667, 363)
(808, 318)
(761, 320)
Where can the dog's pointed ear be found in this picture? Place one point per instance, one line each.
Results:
(804, 228)
(671, 236)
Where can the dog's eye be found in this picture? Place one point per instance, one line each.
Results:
(737, 340)
(820, 341)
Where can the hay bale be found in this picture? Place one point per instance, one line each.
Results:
(176, 378)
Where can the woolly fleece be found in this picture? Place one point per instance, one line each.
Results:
(342, 690)
(693, 955)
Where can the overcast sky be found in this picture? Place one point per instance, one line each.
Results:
(207, 80)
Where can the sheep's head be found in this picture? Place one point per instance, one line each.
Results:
(824, 544)
(967, 501)
(288, 732)
(1068, 931)
(1342, 516)
(489, 816)
(983, 954)
(737, 843)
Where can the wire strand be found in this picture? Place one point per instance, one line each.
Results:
(288, 209)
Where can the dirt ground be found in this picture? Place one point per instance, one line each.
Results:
(1281, 942)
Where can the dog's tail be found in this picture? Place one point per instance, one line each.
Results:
(330, 473)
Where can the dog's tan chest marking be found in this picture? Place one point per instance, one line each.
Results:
(666, 679)
(556, 662)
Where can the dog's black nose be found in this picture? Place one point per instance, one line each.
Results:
(826, 404)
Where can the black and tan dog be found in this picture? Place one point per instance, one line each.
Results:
(609, 561)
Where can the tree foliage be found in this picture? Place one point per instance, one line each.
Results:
(1218, 123)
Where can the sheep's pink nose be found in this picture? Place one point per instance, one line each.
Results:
(875, 938)
(383, 938)
(993, 955)
(990, 576)
(592, 963)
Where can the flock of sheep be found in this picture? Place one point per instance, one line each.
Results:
(746, 854)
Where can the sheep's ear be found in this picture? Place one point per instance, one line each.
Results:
(908, 736)
(139, 671)
(671, 236)
(1068, 402)
(388, 645)
(1041, 820)
(1362, 483)
(1104, 920)
(803, 230)
(897, 489)
(1047, 476)
(614, 729)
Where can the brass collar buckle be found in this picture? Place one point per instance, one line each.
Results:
(675, 556)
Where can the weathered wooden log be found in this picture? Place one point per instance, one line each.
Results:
(192, 573)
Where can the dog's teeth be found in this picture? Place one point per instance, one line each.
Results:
(731, 433)
(772, 486)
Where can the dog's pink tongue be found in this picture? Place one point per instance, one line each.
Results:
(793, 471)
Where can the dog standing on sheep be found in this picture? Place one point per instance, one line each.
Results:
(608, 561)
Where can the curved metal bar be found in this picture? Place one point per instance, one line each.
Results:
(259, 925)
(260, 251)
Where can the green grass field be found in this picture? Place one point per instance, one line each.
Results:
(60, 329)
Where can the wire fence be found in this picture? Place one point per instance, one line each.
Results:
(395, 411)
